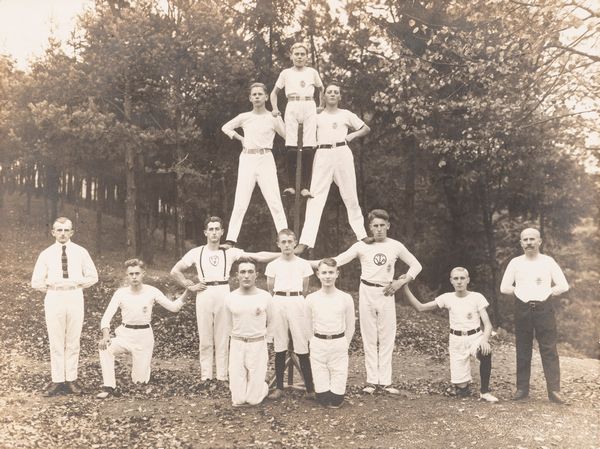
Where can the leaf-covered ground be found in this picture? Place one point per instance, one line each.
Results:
(177, 411)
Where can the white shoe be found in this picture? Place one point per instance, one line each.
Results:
(392, 390)
(489, 397)
(370, 389)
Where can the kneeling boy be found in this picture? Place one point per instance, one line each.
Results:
(332, 320)
(249, 309)
(466, 311)
(135, 335)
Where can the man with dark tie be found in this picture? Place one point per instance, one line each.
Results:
(62, 271)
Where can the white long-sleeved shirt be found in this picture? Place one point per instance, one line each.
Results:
(533, 278)
(48, 267)
(136, 307)
(331, 313)
(259, 129)
(377, 260)
(250, 315)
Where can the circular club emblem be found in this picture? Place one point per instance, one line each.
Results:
(334, 125)
(303, 83)
(379, 259)
(469, 316)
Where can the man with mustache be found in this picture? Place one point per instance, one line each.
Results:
(532, 278)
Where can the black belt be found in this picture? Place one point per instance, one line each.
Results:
(136, 326)
(287, 293)
(534, 304)
(329, 337)
(211, 283)
(371, 284)
(464, 333)
(332, 145)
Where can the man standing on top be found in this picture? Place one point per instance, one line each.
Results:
(533, 278)
(376, 305)
(213, 265)
(334, 162)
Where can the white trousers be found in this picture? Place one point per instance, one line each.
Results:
(377, 316)
(253, 169)
(137, 342)
(304, 112)
(213, 331)
(247, 371)
(290, 318)
(461, 349)
(332, 165)
(64, 320)
(329, 363)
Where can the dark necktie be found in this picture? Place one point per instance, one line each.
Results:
(65, 265)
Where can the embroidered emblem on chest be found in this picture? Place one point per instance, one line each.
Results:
(469, 316)
(214, 260)
(145, 310)
(334, 125)
(302, 83)
(379, 259)
(538, 281)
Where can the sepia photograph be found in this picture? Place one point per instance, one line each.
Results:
(300, 224)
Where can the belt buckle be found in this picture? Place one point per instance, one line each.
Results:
(328, 337)
(464, 333)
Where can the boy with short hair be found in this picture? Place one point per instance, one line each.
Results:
(250, 311)
(256, 164)
(466, 311)
(134, 335)
(299, 83)
(287, 280)
(332, 322)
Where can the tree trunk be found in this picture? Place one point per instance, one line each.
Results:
(180, 193)
(100, 192)
(131, 222)
(52, 187)
(410, 190)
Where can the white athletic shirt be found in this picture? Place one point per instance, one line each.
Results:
(299, 82)
(259, 129)
(331, 314)
(533, 278)
(288, 274)
(48, 267)
(250, 314)
(136, 307)
(463, 312)
(377, 260)
(215, 265)
(333, 127)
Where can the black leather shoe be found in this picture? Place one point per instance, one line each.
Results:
(300, 249)
(73, 387)
(55, 389)
(555, 397)
(520, 395)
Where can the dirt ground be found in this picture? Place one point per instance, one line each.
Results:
(177, 411)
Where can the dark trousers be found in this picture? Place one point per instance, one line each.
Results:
(308, 154)
(536, 319)
(304, 367)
